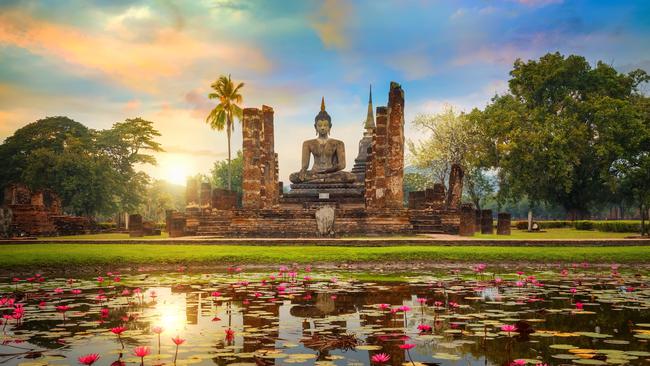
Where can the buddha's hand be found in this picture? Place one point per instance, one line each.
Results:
(301, 174)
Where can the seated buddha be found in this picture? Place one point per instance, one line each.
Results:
(328, 153)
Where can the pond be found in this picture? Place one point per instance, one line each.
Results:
(296, 315)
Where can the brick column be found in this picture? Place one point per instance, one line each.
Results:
(467, 218)
(191, 192)
(252, 175)
(135, 226)
(376, 174)
(455, 192)
(269, 159)
(206, 195)
(503, 223)
(487, 223)
(395, 147)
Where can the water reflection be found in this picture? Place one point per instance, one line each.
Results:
(257, 320)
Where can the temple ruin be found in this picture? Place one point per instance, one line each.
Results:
(368, 200)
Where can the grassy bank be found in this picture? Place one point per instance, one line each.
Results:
(71, 255)
(551, 233)
(557, 233)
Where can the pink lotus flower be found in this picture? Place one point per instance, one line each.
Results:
(380, 358)
(579, 305)
(141, 352)
(518, 362)
(58, 290)
(157, 330)
(437, 303)
(75, 291)
(177, 341)
(100, 279)
(421, 300)
(424, 328)
(383, 306)
(62, 308)
(104, 313)
(230, 335)
(406, 346)
(118, 331)
(508, 328)
(574, 290)
(404, 308)
(88, 359)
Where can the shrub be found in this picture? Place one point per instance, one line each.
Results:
(617, 226)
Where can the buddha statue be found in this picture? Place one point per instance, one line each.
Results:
(329, 155)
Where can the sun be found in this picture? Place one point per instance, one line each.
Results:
(176, 170)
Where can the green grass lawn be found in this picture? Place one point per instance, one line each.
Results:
(560, 233)
(108, 236)
(69, 255)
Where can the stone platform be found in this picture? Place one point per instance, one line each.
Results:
(337, 193)
(291, 222)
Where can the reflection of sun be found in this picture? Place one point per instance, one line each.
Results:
(171, 317)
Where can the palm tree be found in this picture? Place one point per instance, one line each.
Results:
(224, 113)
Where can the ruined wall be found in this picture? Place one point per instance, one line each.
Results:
(192, 192)
(455, 193)
(376, 167)
(395, 147)
(260, 175)
(385, 168)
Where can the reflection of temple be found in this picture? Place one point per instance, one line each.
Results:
(367, 200)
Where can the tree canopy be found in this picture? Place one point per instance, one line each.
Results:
(94, 172)
(556, 133)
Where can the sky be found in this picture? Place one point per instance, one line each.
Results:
(101, 62)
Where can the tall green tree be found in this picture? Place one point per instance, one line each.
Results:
(452, 138)
(556, 133)
(94, 172)
(128, 144)
(224, 172)
(224, 114)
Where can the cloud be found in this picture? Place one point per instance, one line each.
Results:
(538, 3)
(414, 65)
(501, 54)
(138, 65)
(132, 105)
(199, 102)
(331, 22)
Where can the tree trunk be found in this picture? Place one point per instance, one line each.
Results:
(642, 211)
(228, 126)
(530, 219)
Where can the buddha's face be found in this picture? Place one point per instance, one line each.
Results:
(323, 127)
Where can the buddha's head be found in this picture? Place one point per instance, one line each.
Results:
(323, 121)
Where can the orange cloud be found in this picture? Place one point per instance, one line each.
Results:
(331, 22)
(138, 65)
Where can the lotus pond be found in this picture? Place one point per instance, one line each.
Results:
(295, 315)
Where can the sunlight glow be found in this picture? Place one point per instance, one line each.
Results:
(172, 317)
(176, 169)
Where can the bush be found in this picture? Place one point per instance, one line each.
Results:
(583, 225)
(523, 225)
(618, 226)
